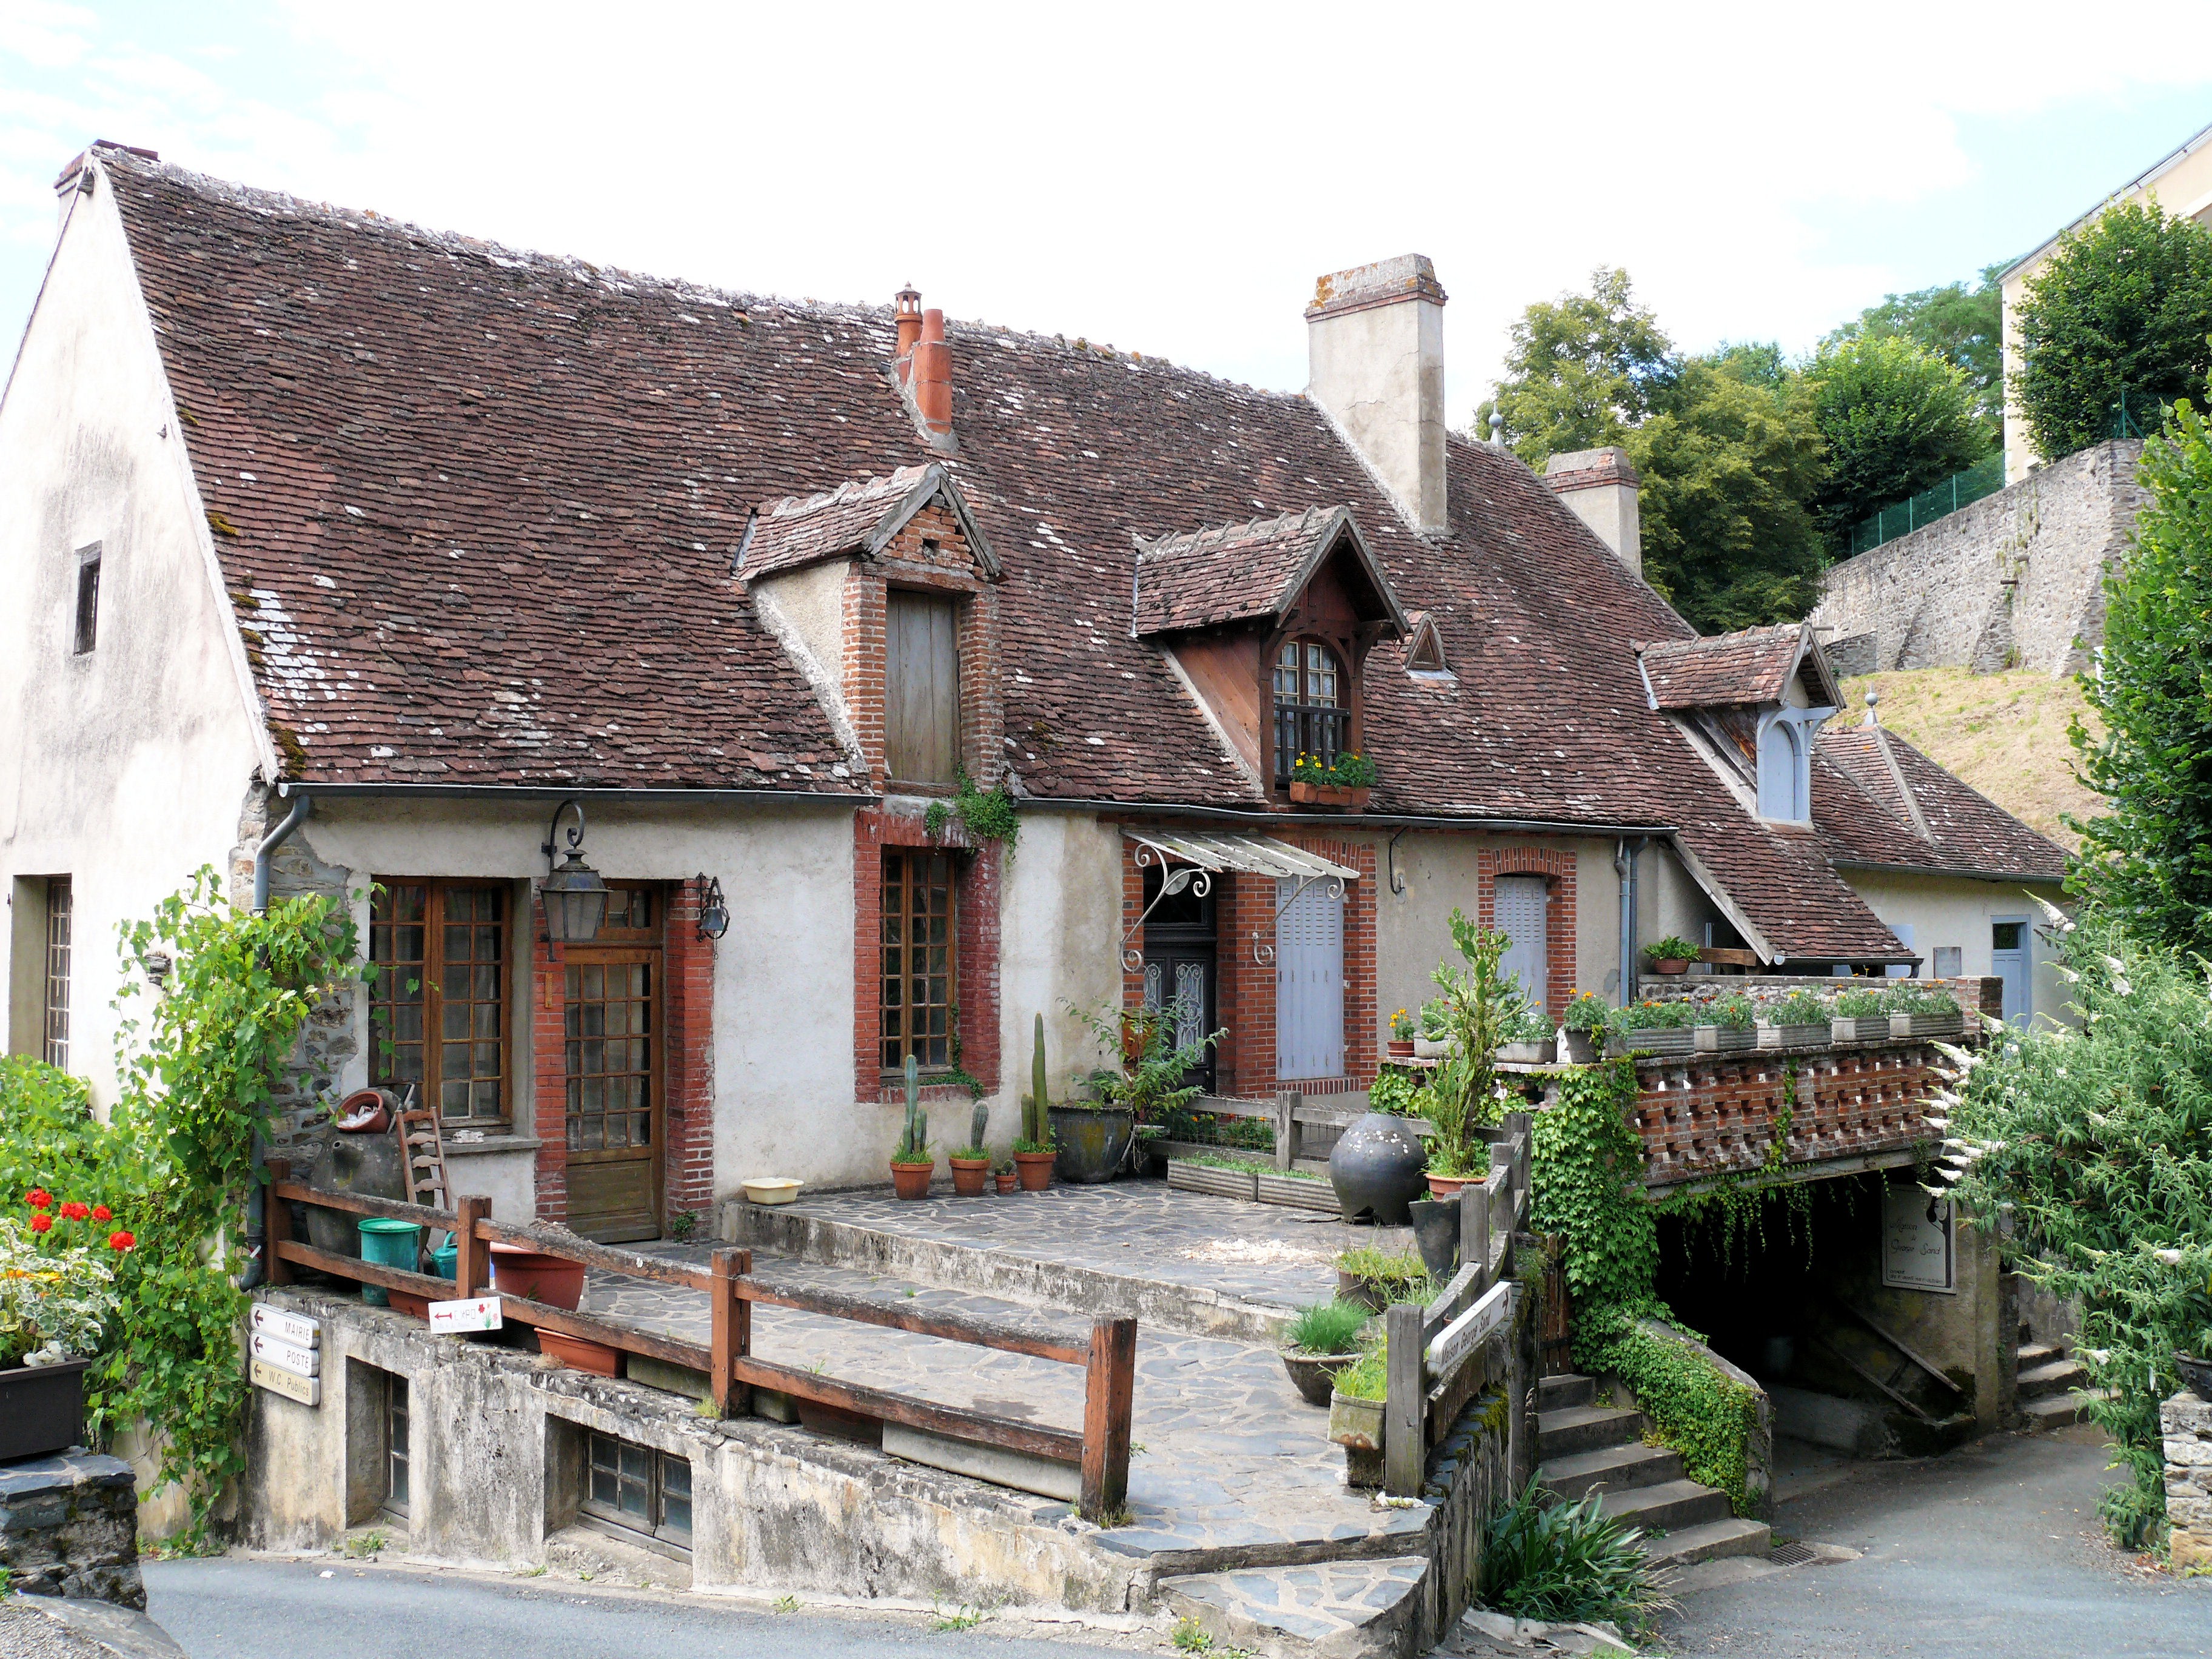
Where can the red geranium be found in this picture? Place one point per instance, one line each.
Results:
(42, 1223)
(38, 1198)
(101, 1212)
(74, 1210)
(120, 1241)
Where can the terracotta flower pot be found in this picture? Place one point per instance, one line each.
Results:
(912, 1180)
(1401, 1047)
(971, 1176)
(1328, 794)
(537, 1277)
(580, 1354)
(1441, 1185)
(1036, 1169)
(1007, 1180)
(1670, 965)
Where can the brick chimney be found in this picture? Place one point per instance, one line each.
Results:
(1600, 485)
(932, 377)
(1375, 350)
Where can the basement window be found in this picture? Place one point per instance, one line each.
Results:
(88, 598)
(398, 1485)
(638, 1489)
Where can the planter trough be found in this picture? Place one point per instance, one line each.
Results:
(1792, 1036)
(1528, 1053)
(1188, 1177)
(1656, 1040)
(41, 1409)
(1928, 1025)
(1296, 1192)
(1720, 1039)
(1861, 1028)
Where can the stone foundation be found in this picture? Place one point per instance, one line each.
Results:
(69, 1526)
(2186, 1422)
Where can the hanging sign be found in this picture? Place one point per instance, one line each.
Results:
(300, 1331)
(482, 1313)
(308, 1390)
(1918, 1241)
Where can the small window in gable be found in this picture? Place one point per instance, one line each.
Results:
(1424, 650)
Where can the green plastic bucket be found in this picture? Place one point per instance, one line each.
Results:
(389, 1244)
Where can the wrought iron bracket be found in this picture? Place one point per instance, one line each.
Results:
(1195, 877)
(1263, 953)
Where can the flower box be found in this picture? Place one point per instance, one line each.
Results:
(1794, 1036)
(1656, 1039)
(1928, 1025)
(1582, 1048)
(41, 1409)
(1862, 1028)
(1355, 1424)
(1528, 1053)
(1297, 1193)
(1188, 1177)
(1720, 1039)
(1433, 1048)
(1337, 795)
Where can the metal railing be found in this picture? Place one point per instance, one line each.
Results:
(1962, 489)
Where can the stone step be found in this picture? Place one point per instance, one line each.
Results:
(1671, 1504)
(1584, 1428)
(1609, 1468)
(1710, 1541)
(2051, 1378)
(1557, 1392)
(1334, 1610)
(2059, 1411)
(2032, 1354)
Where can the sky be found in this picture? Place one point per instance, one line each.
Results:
(1167, 177)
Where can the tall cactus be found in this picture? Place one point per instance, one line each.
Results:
(979, 1124)
(1037, 1127)
(914, 1148)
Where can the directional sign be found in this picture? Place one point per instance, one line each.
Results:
(301, 1332)
(308, 1390)
(482, 1313)
(286, 1356)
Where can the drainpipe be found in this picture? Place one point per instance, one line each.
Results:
(256, 1220)
(1624, 854)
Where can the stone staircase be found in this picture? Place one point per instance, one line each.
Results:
(2054, 1392)
(1586, 1448)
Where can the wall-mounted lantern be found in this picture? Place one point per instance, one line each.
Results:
(576, 896)
(714, 914)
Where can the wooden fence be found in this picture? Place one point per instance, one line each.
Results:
(1100, 1450)
(1435, 1358)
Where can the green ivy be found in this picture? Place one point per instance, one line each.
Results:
(986, 816)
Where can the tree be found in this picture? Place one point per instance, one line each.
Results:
(2150, 859)
(1896, 418)
(1962, 326)
(1580, 371)
(1727, 466)
(2123, 306)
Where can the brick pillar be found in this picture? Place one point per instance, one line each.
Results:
(550, 1065)
(688, 1001)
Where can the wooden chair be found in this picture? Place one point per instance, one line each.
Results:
(422, 1153)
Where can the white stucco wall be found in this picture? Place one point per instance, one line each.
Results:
(125, 768)
(1060, 940)
(1953, 910)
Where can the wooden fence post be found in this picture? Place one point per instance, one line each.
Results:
(472, 1255)
(1406, 1402)
(1474, 1236)
(1287, 1101)
(1523, 1129)
(1109, 1390)
(275, 1224)
(731, 1322)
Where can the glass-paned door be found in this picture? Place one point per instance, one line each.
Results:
(615, 1118)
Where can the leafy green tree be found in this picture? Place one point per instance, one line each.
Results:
(2149, 860)
(1580, 371)
(1964, 326)
(2123, 306)
(1897, 418)
(1727, 466)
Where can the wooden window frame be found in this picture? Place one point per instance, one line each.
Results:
(433, 969)
(658, 1527)
(398, 1446)
(1345, 711)
(56, 972)
(952, 1062)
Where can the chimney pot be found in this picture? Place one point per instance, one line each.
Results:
(932, 375)
(906, 308)
(1599, 486)
(1375, 346)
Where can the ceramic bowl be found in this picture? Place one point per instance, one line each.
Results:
(772, 1189)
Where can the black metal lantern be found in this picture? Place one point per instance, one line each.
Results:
(576, 896)
(714, 914)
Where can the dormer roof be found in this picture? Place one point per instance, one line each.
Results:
(1247, 572)
(1751, 666)
(860, 516)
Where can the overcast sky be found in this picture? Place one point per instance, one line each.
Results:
(1169, 178)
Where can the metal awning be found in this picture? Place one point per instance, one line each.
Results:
(1199, 856)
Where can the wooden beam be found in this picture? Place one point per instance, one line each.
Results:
(570, 1247)
(726, 1343)
(1404, 1406)
(675, 1351)
(1474, 1234)
(1452, 1300)
(471, 1261)
(1110, 1389)
(428, 1286)
(277, 1225)
(1061, 1445)
(952, 1328)
(363, 1204)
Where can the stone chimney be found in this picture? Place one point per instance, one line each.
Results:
(1600, 485)
(1375, 351)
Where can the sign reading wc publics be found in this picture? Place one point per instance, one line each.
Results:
(481, 1313)
(285, 1354)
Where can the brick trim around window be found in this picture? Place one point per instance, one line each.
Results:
(1558, 869)
(975, 882)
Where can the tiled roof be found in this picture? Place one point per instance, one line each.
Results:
(1966, 832)
(1750, 666)
(1237, 572)
(858, 516)
(480, 509)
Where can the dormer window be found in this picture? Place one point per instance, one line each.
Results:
(1311, 717)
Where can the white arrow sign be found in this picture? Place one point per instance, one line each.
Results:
(308, 1390)
(482, 1313)
(287, 1327)
(286, 1356)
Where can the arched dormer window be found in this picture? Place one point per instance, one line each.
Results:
(1786, 763)
(1313, 705)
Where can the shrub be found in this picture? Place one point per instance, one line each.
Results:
(1564, 1563)
(1587, 1013)
(1861, 1003)
(1393, 1091)
(1798, 1008)
(1327, 1328)
(1736, 1010)
(1896, 419)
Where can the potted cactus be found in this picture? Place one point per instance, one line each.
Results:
(1004, 1176)
(912, 1162)
(1033, 1149)
(971, 1164)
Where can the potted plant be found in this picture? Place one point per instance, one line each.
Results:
(1670, 955)
(1799, 1020)
(56, 1295)
(971, 1164)
(1861, 1015)
(1584, 1026)
(1920, 1011)
(1344, 782)
(1034, 1153)
(1656, 1027)
(912, 1162)
(1432, 1040)
(1374, 1277)
(1355, 1415)
(1322, 1340)
(1725, 1024)
(1095, 1135)
(1006, 1178)
(1404, 1028)
(1483, 1007)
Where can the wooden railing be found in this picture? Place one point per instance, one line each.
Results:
(1100, 1450)
(1435, 1365)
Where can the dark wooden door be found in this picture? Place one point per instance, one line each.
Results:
(1180, 966)
(921, 686)
(617, 1122)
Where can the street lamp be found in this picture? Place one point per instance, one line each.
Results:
(713, 912)
(576, 896)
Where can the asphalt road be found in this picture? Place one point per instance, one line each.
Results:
(244, 1607)
(1994, 1551)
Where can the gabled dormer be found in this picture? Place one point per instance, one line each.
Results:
(1752, 703)
(883, 593)
(1268, 623)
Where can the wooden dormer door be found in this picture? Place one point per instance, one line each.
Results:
(612, 1031)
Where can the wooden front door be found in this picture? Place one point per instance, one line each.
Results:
(617, 1120)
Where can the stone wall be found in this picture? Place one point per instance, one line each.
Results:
(69, 1526)
(2014, 580)
(2186, 1422)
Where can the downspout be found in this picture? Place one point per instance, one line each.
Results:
(1624, 854)
(256, 1219)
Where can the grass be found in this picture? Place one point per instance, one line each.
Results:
(1564, 1563)
(2003, 734)
(1389, 1267)
(967, 1619)
(1329, 1327)
(1222, 1161)
(786, 1604)
(1366, 1377)
(368, 1543)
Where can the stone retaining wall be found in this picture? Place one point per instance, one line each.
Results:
(2186, 1422)
(69, 1526)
